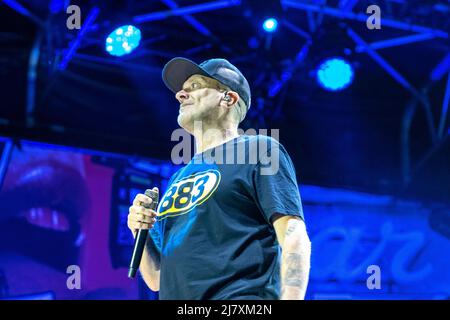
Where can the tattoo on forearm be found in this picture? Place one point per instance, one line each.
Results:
(295, 263)
(293, 275)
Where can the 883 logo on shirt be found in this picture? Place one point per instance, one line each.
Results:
(187, 193)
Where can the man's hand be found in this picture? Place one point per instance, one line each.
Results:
(139, 217)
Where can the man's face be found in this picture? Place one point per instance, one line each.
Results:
(199, 101)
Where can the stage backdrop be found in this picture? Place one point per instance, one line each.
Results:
(63, 211)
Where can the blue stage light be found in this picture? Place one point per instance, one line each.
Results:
(123, 40)
(270, 25)
(335, 74)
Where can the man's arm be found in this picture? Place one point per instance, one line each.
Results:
(150, 265)
(296, 256)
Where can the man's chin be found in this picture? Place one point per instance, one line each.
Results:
(185, 121)
(188, 121)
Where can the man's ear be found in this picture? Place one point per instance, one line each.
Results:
(233, 98)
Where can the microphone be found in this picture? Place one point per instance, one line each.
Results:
(141, 237)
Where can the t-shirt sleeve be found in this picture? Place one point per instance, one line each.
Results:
(275, 183)
(156, 233)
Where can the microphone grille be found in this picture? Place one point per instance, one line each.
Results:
(154, 195)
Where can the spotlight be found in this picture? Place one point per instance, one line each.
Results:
(334, 74)
(123, 40)
(270, 25)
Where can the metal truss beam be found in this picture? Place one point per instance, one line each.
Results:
(204, 7)
(190, 19)
(16, 6)
(302, 33)
(338, 13)
(382, 62)
(5, 158)
(444, 111)
(76, 43)
(440, 70)
(397, 41)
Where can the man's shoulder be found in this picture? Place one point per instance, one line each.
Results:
(261, 138)
(264, 144)
(175, 174)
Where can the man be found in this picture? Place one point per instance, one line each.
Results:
(221, 230)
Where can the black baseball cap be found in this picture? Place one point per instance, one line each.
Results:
(179, 69)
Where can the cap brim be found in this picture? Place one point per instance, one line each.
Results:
(178, 70)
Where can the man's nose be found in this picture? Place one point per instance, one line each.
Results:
(181, 96)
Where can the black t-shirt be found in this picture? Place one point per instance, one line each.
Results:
(214, 227)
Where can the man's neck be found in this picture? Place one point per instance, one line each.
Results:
(207, 138)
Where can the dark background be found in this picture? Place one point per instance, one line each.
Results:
(350, 138)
